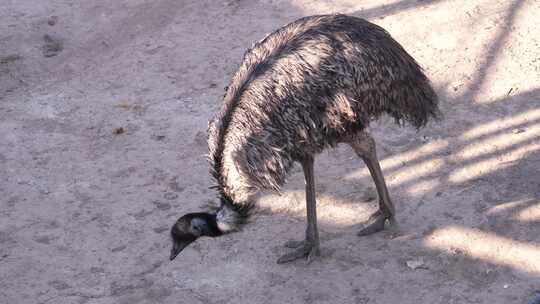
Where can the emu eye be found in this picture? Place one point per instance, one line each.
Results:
(198, 226)
(195, 229)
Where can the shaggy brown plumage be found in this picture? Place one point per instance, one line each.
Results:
(309, 85)
(303, 88)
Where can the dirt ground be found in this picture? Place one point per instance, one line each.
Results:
(103, 114)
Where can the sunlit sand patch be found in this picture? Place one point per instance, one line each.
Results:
(422, 187)
(499, 142)
(503, 123)
(488, 247)
(495, 163)
(415, 172)
(506, 207)
(425, 167)
(427, 149)
(529, 214)
(331, 210)
(521, 210)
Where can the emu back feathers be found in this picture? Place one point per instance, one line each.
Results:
(307, 86)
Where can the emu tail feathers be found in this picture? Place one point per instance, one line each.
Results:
(412, 97)
(417, 105)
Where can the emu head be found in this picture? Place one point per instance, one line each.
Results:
(189, 228)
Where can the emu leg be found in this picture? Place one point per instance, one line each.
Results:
(364, 146)
(310, 247)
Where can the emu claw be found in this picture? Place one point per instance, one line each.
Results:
(303, 249)
(375, 223)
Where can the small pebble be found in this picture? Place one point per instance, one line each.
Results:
(119, 248)
(162, 206)
(158, 137)
(52, 20)
(416, 264)
(161, 229)
(52, 46)
(10, 58)
(170, 195)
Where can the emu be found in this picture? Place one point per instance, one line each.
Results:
(309, 85)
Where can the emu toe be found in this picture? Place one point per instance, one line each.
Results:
(303, 249)
(375, 223)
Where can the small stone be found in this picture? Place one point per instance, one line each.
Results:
(161, 229)
(162, 206)
(158, 137)
(43, 239)
(119, 248)
(119, 131)
(170, 195)
(52, 20)
(52, 46)
(141, 214)
(154, 50)
(416, 264)
(59, 285)
(10, 58)
(97, 269)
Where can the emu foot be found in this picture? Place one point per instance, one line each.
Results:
(302, 249)
(376, 223)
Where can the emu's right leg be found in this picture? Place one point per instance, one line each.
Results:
(364, 146)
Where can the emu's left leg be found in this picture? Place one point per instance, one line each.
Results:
(364, 145)
(310, 247)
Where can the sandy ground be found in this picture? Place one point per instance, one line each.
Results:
(102, 128)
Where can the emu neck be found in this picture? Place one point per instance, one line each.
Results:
(236, 183)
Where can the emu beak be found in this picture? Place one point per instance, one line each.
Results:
(178, 246)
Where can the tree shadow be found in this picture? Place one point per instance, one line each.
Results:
(394, 8)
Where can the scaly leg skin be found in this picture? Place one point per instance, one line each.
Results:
(301, 249)
(310, 247)
(306, 250)
(374, 224)
(364, 145)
